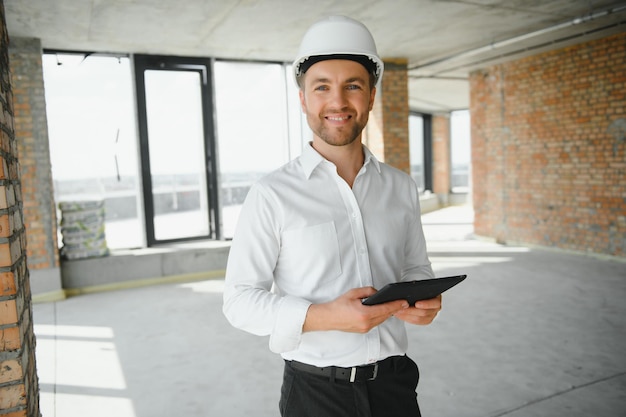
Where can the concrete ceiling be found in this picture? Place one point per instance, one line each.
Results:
(442, 39)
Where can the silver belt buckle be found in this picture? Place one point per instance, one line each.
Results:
(353, 374)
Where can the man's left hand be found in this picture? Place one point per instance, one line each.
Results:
(422, 313)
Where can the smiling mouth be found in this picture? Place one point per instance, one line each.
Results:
(337, 118)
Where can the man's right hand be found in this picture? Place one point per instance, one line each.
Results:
(346, 313)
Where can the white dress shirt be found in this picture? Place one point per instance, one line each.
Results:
(304, 236)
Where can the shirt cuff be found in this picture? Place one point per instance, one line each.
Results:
(288, 328)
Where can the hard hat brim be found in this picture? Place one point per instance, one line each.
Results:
(370, 65)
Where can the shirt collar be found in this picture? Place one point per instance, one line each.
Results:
(310, 159)
(369, 157)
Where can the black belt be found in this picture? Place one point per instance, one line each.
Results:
(353, 374)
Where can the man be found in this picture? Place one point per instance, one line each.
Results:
(318, 235)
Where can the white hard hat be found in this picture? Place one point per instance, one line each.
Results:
(338, 37)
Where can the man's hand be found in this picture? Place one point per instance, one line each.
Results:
(347, 314)
(423, 312)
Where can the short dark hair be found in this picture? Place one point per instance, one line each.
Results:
(369, 65)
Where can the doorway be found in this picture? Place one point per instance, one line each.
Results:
(177, 148)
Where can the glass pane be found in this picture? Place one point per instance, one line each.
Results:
(93, 143)
(299, 131)
(252, 130)
(416, 149)
(177, 155)
(460, 149)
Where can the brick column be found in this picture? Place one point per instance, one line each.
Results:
(387, 133)
(441, 157)
(31, 131)
(19, 387)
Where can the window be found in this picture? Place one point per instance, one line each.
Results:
(258, 128)
(152, 156)
(93, 142)
(416, 149)
(420, 150)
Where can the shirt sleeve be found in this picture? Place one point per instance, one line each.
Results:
(417, 264)
(249, 303)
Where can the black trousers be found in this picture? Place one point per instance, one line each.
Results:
(391, 394)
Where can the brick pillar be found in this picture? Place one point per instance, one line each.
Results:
(387, 133)
(441, 157)
(19, 387)
(31, 131)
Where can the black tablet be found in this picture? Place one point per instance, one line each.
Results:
(413, 291)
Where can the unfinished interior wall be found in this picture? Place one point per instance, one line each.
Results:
(19, 390)
(387, 133)
(549, 148)
(442, 160)
(31, 130)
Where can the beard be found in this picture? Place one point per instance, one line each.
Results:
(336, 136)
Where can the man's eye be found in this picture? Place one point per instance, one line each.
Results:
(321, 88)
(353, 87)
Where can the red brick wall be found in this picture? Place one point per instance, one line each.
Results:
(441, 155)
(19, 390)
(548, 148)
(387, 133)
(31, 129)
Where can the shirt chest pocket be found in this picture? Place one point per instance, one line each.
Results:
(309, 257)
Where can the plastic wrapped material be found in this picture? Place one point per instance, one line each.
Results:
(82, 227)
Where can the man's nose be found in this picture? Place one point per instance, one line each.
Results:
(338, 98)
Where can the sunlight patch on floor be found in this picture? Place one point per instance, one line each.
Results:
(79, 369)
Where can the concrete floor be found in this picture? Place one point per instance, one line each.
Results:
(529, 333)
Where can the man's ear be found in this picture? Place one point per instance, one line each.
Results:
(302, 101)
(372, 95)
